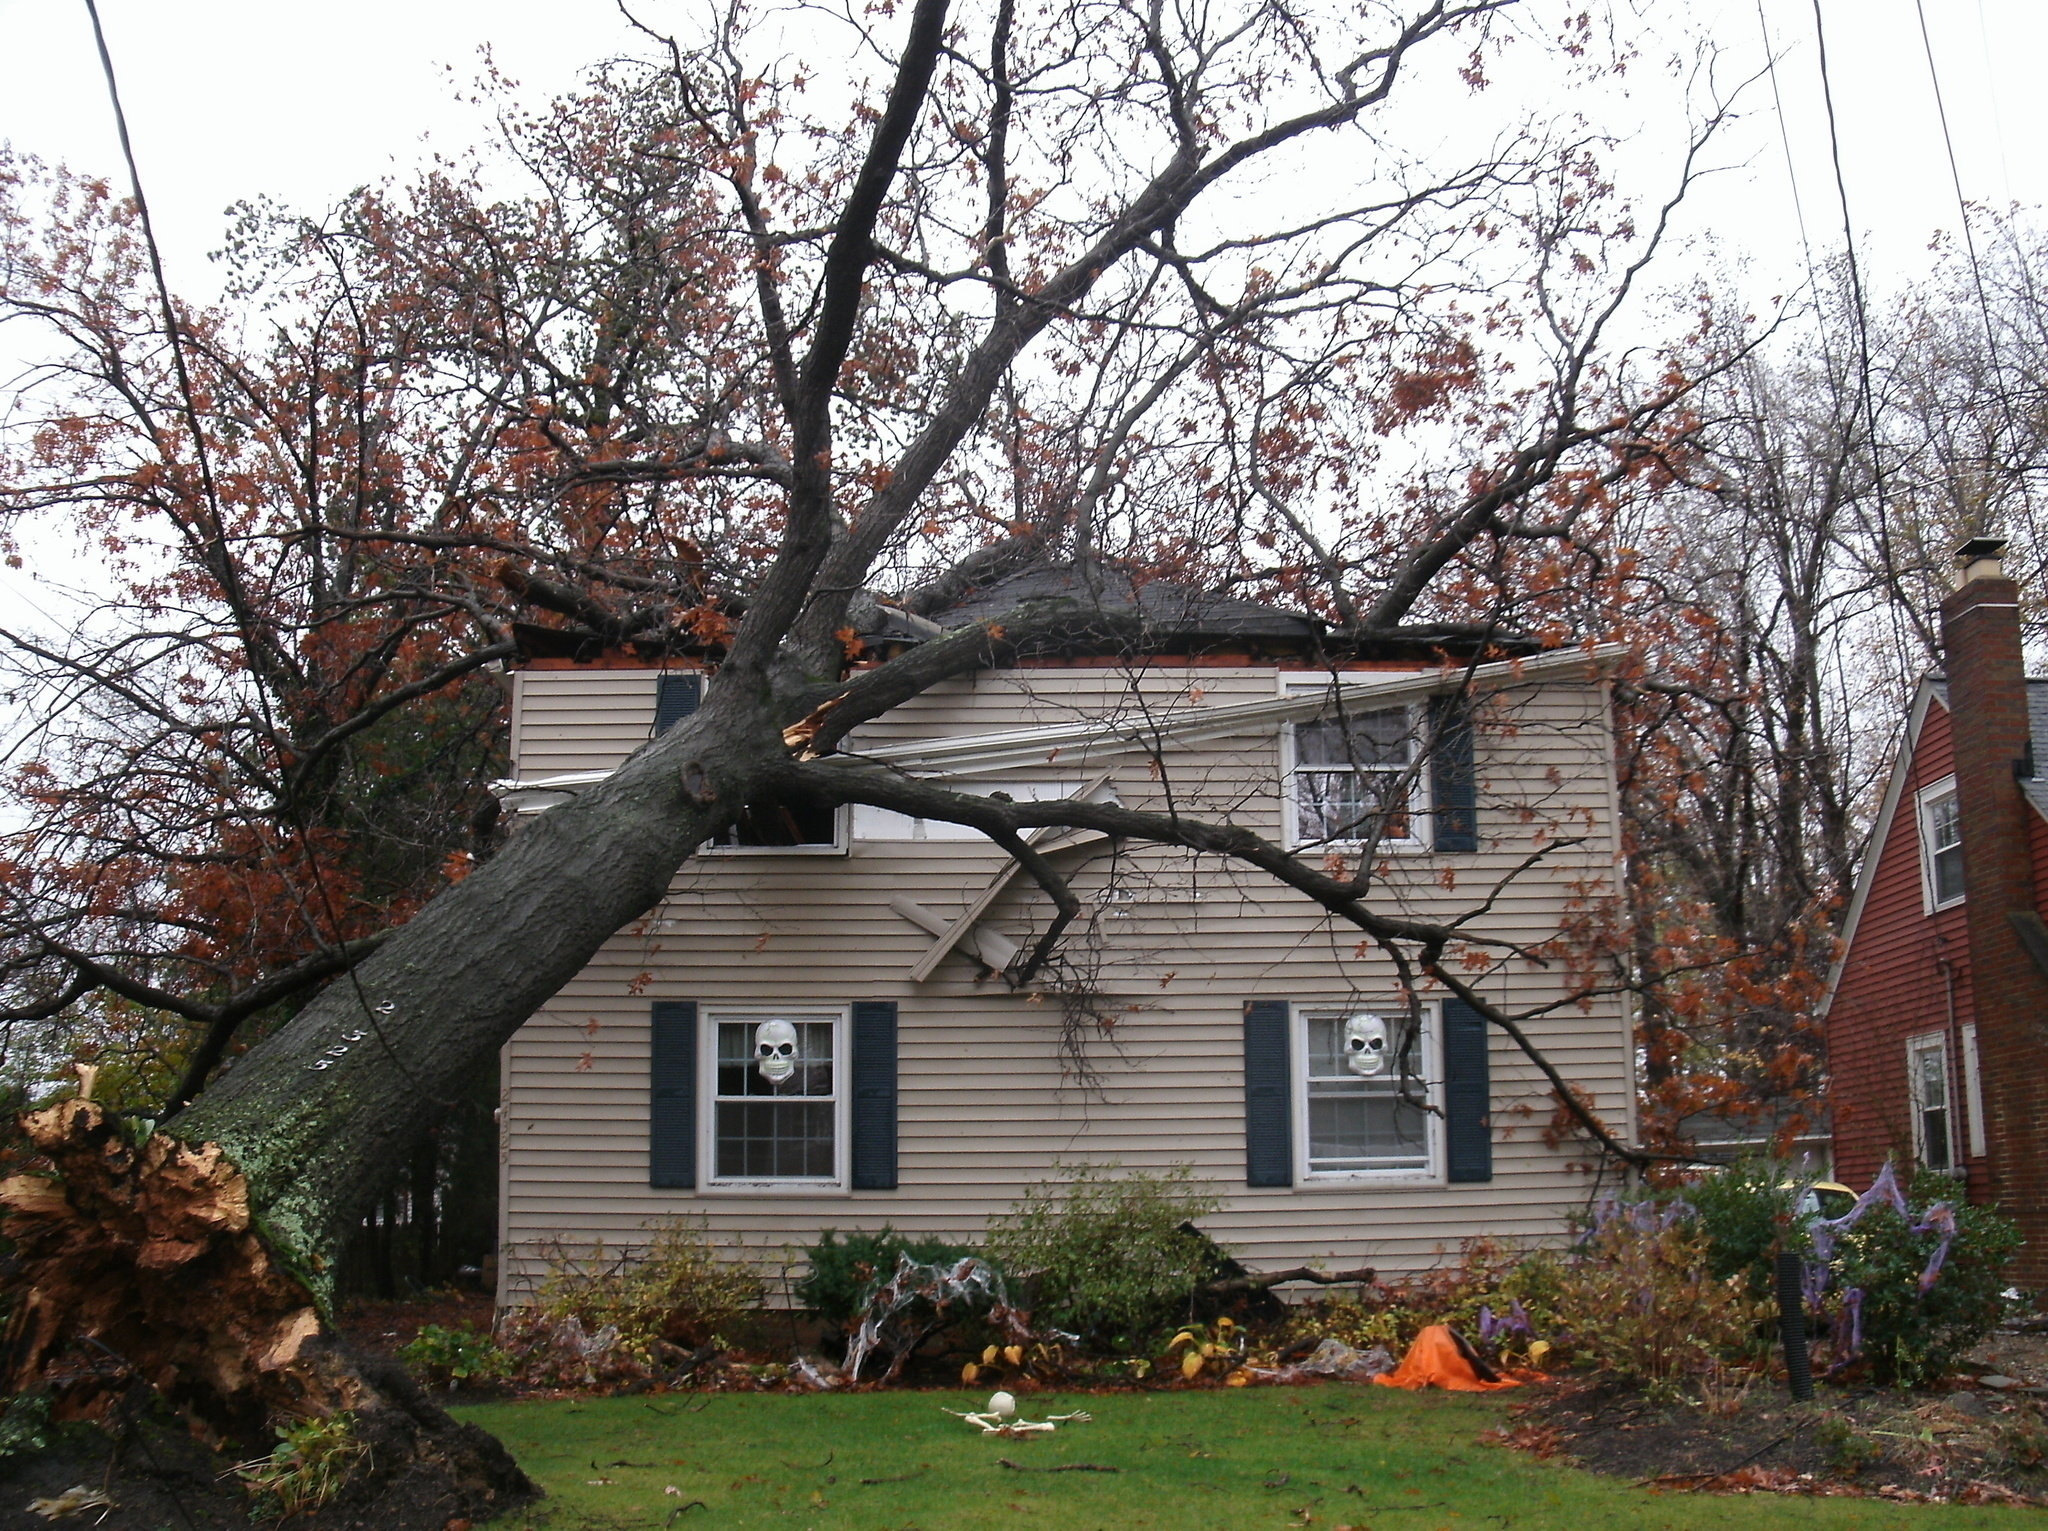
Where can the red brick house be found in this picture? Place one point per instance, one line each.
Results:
(1938, 1006)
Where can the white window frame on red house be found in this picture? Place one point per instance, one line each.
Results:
(1931, 1048)
(1973, 1093)
(1933, 814)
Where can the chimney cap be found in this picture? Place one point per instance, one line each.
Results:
(1981, 558)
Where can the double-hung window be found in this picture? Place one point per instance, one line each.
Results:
(1941, 845)
(1353, 780)
(777, 1097)
(1366, 1093)
(1927, 1085)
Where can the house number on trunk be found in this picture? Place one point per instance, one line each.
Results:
(348, 1039)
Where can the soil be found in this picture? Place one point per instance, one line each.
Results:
(423, 1472)
(379, 1327)
(1966, 1443)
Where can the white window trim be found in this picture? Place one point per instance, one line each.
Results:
(1421, 808)
(708, 1181)
(842, 816)
(1973, 1093)
(1935, 1042)
(1431, 1173)
(1924, 799)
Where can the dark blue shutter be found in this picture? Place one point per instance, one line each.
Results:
(873, 1074)
(1268, 1096)
(675, 699)
(1468, 1102)
(672, 1100)
(1453, 785)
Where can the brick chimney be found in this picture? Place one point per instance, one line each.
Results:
(1987, 697)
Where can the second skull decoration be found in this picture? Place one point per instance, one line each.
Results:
(1365, 1044)
(775, 1050)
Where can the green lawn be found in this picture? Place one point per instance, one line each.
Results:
(1196, 1461)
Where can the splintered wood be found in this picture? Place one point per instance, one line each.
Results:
(141, 1263)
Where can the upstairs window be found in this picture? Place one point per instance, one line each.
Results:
(784, 827)
(1941, 845)
(1354, 780)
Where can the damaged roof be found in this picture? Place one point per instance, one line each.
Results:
(1169, 610)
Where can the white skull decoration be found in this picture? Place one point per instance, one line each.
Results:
(1365, 1044)
(775, 1050)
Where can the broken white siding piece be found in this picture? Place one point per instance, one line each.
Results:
(989, 946)
(1097, 791)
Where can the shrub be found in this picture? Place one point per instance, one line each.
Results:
(1105, 1254)
(25, 1426)
(1640, 1300)
(1909, 1336)
(844, 1271)
(1500, 1299)
(1745, 1211)
(446, 1357)
(676, 1293)
(309, 1467)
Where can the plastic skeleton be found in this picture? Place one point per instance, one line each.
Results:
(999, 1418)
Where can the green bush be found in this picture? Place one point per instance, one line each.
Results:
(1745, 1211)
(843, 1271)
(25, 1426)
(1911, 1337)
(1104, 1253)
(445, 1357)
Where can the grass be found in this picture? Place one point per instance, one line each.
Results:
(1320, 1457)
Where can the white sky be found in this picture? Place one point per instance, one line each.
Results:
(228, 98)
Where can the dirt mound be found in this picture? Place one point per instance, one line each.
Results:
(422, 1471)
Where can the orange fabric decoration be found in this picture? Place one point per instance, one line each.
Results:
(1440, 1357)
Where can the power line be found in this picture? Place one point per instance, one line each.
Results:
(1955, 176)
(1792, 181)
(1860, 313)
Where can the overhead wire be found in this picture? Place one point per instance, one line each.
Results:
(188, 401)
(1860, 314)
(1955, 176)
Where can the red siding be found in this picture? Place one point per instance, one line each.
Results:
(1895, 984)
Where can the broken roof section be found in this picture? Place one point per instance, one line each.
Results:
(1166, 612)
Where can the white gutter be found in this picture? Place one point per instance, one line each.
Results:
(1086, 742)
(1082, 743)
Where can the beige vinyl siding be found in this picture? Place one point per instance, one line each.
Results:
(986, 1108)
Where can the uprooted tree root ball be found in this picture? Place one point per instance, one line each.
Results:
(143, 1281)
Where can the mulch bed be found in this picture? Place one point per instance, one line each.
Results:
(1966, 1446)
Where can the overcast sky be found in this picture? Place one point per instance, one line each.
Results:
(229, 98)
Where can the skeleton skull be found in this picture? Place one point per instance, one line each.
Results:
(1365, 1044)
(775, 1050)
